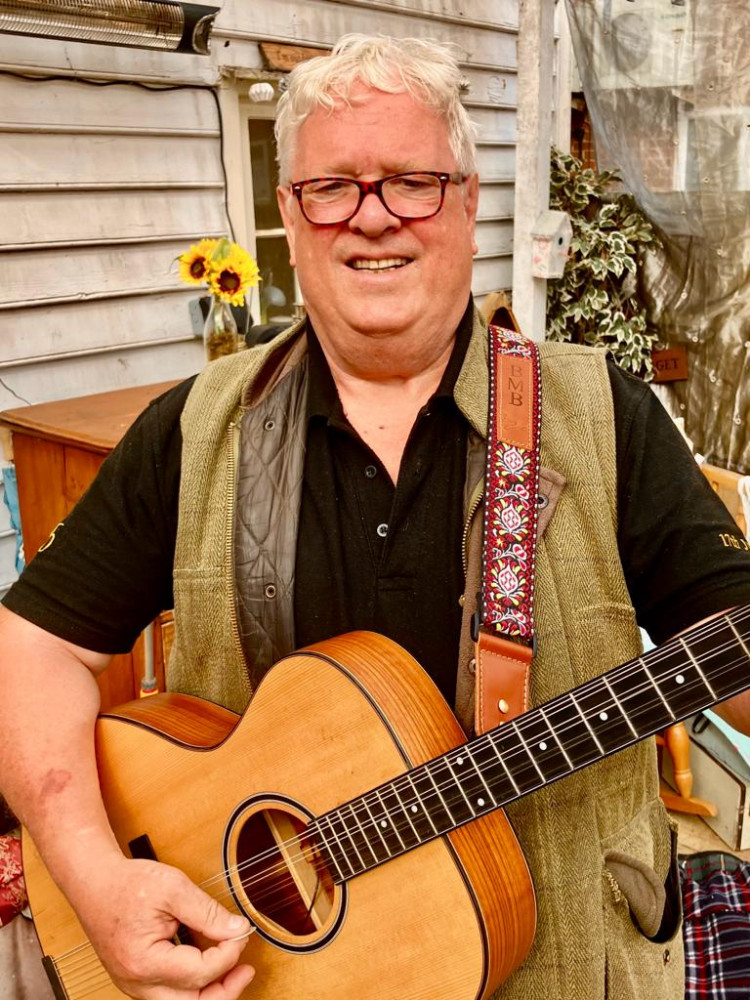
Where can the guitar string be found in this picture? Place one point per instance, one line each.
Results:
(553, 708)
(367, 826)
(550, 711)
(278, 885)
(428, 801)
(703, 632)
(100, 973)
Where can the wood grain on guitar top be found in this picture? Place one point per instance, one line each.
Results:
(448, 920)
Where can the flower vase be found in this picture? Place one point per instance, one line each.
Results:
(220, 336)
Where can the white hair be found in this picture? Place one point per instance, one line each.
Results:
(425, 69)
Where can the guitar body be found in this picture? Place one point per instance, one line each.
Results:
(448, 920)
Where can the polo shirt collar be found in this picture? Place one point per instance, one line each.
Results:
(323, 398)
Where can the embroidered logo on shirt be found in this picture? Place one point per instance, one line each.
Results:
(51, 538)
(734, 542)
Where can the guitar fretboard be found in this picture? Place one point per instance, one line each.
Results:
(607, 714)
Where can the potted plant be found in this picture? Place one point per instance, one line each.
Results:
(596, 301)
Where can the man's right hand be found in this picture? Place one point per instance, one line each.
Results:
(131, 911)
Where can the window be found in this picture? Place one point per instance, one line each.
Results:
(277, 290)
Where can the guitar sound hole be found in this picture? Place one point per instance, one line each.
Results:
(279, 877)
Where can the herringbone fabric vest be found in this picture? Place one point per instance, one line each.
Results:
(586, 947)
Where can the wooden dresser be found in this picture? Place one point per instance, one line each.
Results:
(57, 449)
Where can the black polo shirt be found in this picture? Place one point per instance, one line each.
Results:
(370, 553)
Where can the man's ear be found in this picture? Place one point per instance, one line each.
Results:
(471, 202)
(285, 199)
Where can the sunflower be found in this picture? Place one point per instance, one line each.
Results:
(232, 273)
(195, 263)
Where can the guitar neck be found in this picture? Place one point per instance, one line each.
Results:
(628, 704)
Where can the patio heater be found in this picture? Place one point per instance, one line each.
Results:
(163, 25)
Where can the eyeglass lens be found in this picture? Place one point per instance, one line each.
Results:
(410, 196)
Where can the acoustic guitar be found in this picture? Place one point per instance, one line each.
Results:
(346, 815)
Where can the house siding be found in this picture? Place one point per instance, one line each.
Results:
(111, 164)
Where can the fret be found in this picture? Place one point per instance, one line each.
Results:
(353, 835)
(531, 756)
(515, 756)
(739, 638)
(617, 702)
(494, 772)
(433, 802)
(723, 655)
(344, 840)
(639, 698)
(550, 760)
(573, 732)
(492, 738)
(392, 808)
(376, 820)
(585, 721)
(475, 789)
(604, 715)
(698, 668)
(402, 792)
(359, 837)
(376, 845)
(451, 794)
(679, 681)
(656, 686)
(556, 737)
(335, 851)
(420, 813)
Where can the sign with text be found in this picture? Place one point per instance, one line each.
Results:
(670, 365)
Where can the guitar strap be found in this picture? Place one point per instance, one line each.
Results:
(504, 622)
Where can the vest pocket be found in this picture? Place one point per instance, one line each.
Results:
(642, 910)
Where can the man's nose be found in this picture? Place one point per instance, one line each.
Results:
(373, 218)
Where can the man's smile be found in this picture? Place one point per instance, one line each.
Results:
(372, 264)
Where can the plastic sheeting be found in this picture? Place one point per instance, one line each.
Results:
(667, 83)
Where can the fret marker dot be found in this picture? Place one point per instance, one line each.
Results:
(384, 823)
(603, 716)
(480, 802)
(459, 760)
(415, 809)
(542, 746)
(680, 679)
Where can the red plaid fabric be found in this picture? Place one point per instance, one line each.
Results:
(12, 886)
(716, 929)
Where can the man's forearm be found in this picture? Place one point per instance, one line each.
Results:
(47, 760)
(736, 712)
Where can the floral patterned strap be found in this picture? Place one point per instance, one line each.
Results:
(511, 487)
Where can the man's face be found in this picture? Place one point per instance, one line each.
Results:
(428, 285)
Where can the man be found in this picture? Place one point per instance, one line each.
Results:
(354, 447)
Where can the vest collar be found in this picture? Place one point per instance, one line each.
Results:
(472, 385)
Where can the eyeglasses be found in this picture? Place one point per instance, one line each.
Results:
(329, 201)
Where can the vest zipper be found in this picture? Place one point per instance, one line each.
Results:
(473, 507)
(234, 445)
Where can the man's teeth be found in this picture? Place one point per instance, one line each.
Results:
(379, 265)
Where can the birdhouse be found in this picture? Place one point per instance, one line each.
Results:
(550, 239)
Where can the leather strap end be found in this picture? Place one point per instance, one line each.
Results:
(503, 669)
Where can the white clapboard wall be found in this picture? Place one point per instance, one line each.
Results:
(484, 33)
(111, 165)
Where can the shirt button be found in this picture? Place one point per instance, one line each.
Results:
(370, 471)
(382, 530)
